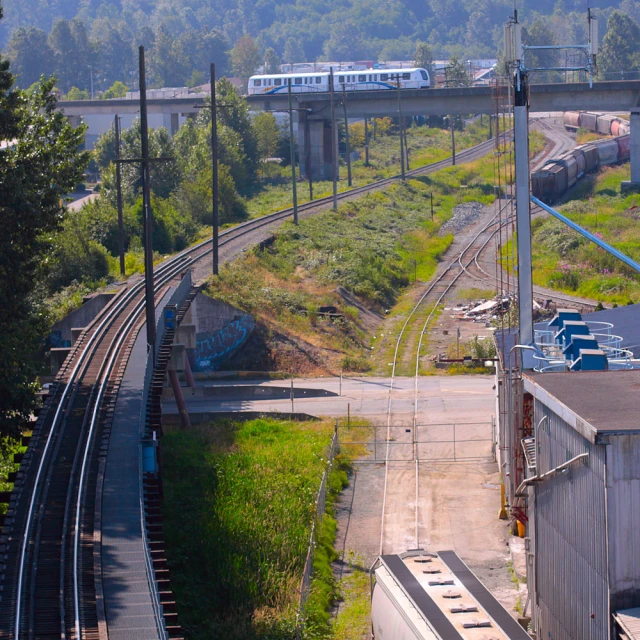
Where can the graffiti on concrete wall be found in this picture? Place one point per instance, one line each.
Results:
(213, 348)
(56, 340)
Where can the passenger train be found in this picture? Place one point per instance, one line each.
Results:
(365, 80)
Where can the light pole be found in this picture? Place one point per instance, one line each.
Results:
(346, 133)
(293, 156)
(214, 161)
(91, 72)
(401, 134)
(334, 142)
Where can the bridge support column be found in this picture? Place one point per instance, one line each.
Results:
(314, 147)
(634, 183)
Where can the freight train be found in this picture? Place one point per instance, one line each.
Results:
(560, 174)
(365, 80)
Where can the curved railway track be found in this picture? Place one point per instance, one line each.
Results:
(406, 459)
(48, 581)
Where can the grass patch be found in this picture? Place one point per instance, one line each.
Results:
(566, 261)
(239, 503)
(426, 146)
(475, 294)
(353, 620)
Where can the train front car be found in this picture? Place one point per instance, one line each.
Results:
(276, 83)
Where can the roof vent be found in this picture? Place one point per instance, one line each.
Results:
(591, 360)
(562, 315)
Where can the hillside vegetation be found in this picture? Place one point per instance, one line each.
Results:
(566, 261)
(94, 42)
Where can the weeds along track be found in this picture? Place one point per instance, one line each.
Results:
(48, 582)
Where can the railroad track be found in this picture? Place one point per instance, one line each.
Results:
(404, 441)
(48, 579)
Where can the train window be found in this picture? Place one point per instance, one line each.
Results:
(362, 78)
(406, 76)
(340, 78)
(423, 73)
(318, 79)
(277, 82)
(384, 77)
(298, 80)
(257, 83)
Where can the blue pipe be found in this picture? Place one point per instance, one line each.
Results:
(589, 236)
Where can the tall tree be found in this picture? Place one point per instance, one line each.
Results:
(30, 55)
(456, 73)
(37, 169)
(620, 51)
(271, 61)
(293, 51)
(245, 58)
(62, 43)
(168, 63)
(423, 57)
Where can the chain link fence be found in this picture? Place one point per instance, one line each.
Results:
(320, 507)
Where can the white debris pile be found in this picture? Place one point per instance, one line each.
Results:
(463, 215)
(481, 310)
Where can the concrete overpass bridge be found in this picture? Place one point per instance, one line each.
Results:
(313, 110)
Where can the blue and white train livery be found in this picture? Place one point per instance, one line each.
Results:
(365, 80)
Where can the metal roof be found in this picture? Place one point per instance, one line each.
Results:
(450, 597)
(594, 402)
(629, 620)
(627, 324)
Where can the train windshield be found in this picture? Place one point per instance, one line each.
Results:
(423, 73)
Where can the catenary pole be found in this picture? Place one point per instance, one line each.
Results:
(346, 133)
(293, 155)
(148, 215)
(366, 142)
(401, 134)
(523, 217)
(116, 124)
(214, 174)
(334, 142)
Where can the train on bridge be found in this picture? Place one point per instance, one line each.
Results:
(560, 174)
(364, 80)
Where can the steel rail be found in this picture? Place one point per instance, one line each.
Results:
(106, 371)
(83, 358)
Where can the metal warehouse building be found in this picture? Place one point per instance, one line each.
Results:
(582, 485)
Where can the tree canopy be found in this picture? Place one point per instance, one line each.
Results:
(78, 38)
(39, 164)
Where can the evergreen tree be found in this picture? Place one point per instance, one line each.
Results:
(620, 51)
(456, 74)
(293, 52)
(30, 55)
(423, 57)
(271, 61)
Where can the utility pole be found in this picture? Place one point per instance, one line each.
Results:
(148, 215)
(346, 133)
(431, 195)
(293, 156)
(116, 124)
(334, 142)
(406, 144)
(453, 141)
(214, 173)
(401, 135)
(307, 146)
(523, 217)
(366, 142)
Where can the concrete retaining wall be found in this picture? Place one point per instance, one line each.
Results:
(221, 330)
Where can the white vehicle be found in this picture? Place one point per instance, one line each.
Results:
(365, 80)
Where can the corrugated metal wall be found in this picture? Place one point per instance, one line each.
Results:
(623, 506)
(570, 535)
